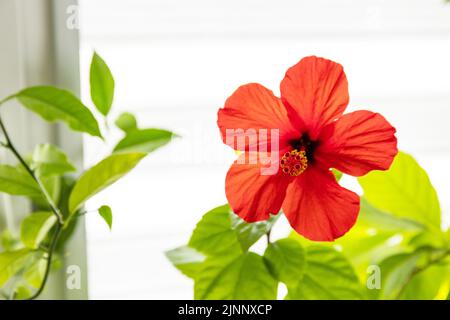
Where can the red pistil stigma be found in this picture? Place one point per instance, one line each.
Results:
(294, 162)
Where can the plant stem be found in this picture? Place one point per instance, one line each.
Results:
(50, 252)
(52, 205)
(48, 198)
(268, 236)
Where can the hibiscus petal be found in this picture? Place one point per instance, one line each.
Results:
(315, 90)
(253, 191)
(357, 143)
(250, 108)
(318, 208)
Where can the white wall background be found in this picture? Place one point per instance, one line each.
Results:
(175, 63)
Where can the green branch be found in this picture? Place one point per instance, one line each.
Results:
(44, 191)
(59, 226)
(48, 266)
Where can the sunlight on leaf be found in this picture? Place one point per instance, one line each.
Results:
(17, 182)
(126, 122)
(106, 213)
(187, 260)
(144, 140)
(54, 104)
(286, 261)
(48, 160)
(243, 277)
(102, 175)
(35, 227)
(102, 84)
(11, 262)
(328, 275)
(404, 191)
(213, 235)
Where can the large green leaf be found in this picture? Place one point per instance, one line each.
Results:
(362, 246)
(126, 122)
(100, 176)
(427, 240)
(53, 186)
(243, 277)
(249, 233)
(380, 220)
(144, 140)
(35, 272)
(328, 276)
(54, 104)
(12, 262)
(48, 160)
(102, 84)
(15, 181)
(404, 191)
(220, 230)
(187, 260)
(286, 260)
(396, 271)
(427, 284)
(214, 235)
(35, 227)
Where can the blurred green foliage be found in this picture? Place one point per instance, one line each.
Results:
(51, 182)
(396, 250)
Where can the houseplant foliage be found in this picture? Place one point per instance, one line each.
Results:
(397, 241)
(56, 189)
(396, 250)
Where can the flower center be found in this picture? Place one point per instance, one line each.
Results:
(294, 162)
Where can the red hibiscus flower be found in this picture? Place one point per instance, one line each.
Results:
(314, 136)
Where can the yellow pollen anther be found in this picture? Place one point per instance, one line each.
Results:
(294, 162)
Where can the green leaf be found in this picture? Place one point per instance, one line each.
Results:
(35, 227)
(249, 233)
(17, 182)
(48, 160)
(106, 213)
(395, 273)
(8, 241)
(214, 235)
(362, 246)
(53, 186)
(368, 242)
(100, 176)
(221, 231)
(427, 284)
(187, 260)
(145, 140)
(286, 261)
(11, 262)
(102, 84)
(243, 277)
(337, 174)
(35, 273)
(22, 292)
(126, 122)
(404, 191)
(328, 276)
(427, 240)
(385, 221)
(54, 104)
